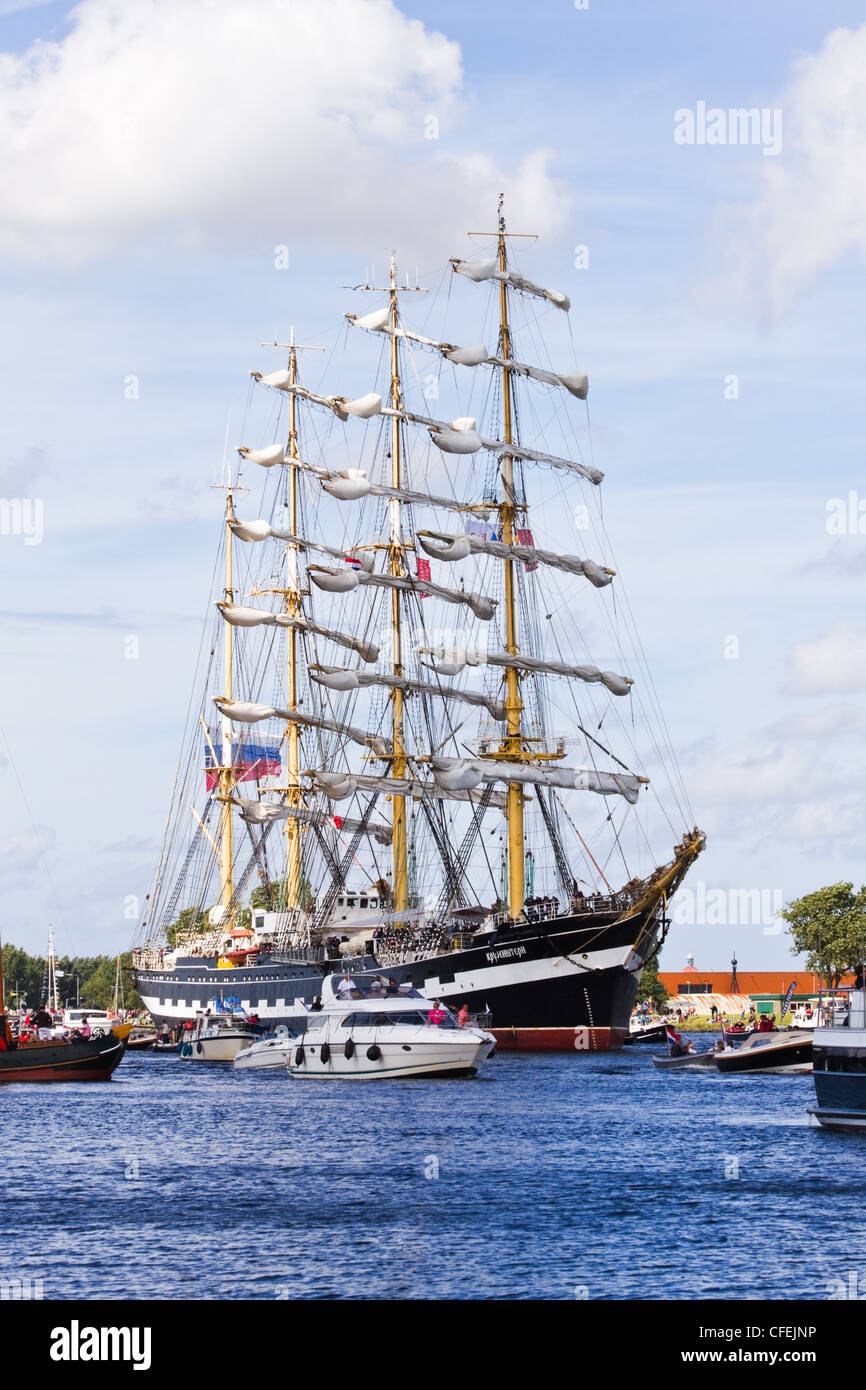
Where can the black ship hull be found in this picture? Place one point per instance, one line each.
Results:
(84, 1059)
(568, 984)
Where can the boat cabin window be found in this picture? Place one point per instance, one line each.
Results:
(341, 901)
(316, 1021)
(362, 902)
(370, 1020)
(373, 902)
(350, 902)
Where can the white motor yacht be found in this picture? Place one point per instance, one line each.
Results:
(361, 1034)
(216, 1037)
(274, 1051)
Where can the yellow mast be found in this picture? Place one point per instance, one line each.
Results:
(512, 745)
(293, 606)
(395, 559)
(227, 885)
(292, 595)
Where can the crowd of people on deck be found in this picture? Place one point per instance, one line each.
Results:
(46, 1025)
(406, 941)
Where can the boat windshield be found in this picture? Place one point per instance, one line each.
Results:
(377, 988)
(407, 1018)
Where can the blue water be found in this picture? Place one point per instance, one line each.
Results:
(558, 1177)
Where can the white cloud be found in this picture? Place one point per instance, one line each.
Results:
(812, 210)
(835, 663)
(826, 723)
(222, 125)
(753, 777)
(828, 820)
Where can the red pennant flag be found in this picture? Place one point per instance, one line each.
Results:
(422, 568)
(525, 538)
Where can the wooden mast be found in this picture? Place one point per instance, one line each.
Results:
(512, 745)
(294, 853)
(395, 564)
(227, 885)
(292, 595)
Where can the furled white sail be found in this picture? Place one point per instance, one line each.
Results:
(448, 661)
(260, 812)
(253, 530)
(348, 485)
(239, 615)
(476, 354)
(460, 437)
(267, 458)
(617, 685)
(364, 407)
(279, 380)
(343, 581)
(246, 712)
(438, 427)
(340, 786)
(452, 773)
(353, 483)
(451, 432)
(577, 383)
(443, 546)
(470, 356)
(375, 321)
(339, 678)
(489, 270)
(368, 651)
(262, 531)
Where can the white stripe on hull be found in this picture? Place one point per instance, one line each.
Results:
(503, 974)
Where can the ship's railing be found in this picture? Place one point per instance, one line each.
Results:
(149, 957)
(399, 948)
(550, 909)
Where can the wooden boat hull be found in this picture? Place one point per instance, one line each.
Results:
(769, 1053)
(86, 1059)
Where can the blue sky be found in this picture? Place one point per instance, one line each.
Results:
(161, 156)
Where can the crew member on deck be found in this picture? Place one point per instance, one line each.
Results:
(43, 1022)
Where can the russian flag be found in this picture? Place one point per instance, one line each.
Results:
(252, 758)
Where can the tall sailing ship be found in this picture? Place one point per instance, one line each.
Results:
(399, 758)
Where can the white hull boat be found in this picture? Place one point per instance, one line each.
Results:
(216, 1038)
(269, 1053)
(358, 1037)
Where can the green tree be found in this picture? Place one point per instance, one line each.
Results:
(190, 919)
(651, 987)
(97, 990)
(829, 927)
(24, 973)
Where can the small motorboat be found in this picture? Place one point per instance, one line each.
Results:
(216, 1037)
(688, 1061)
(641, 1031)
(785, 1051)
(274, 1051)
(360, 1035)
